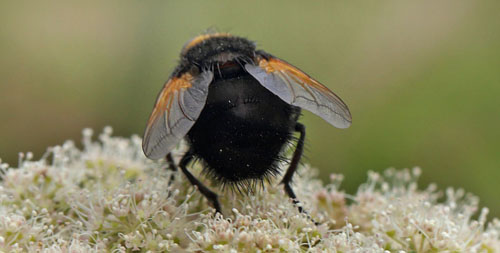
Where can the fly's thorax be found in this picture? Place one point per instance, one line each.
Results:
(212, 49)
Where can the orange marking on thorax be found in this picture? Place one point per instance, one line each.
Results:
(200, 38)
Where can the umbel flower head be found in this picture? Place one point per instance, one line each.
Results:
(108, 196)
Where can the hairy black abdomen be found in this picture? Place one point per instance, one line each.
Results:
(242, 130)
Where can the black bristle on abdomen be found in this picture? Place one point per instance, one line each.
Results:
(242, 133)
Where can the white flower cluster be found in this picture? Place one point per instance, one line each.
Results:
(109, 197)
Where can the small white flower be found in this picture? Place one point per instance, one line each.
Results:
(109, 196)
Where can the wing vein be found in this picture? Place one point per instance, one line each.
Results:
(305, 87)
(181, 103)
(288, 83)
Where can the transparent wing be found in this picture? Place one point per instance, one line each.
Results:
(177, 107)
(297, 88)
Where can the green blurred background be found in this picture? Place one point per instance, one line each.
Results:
(422, 78)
